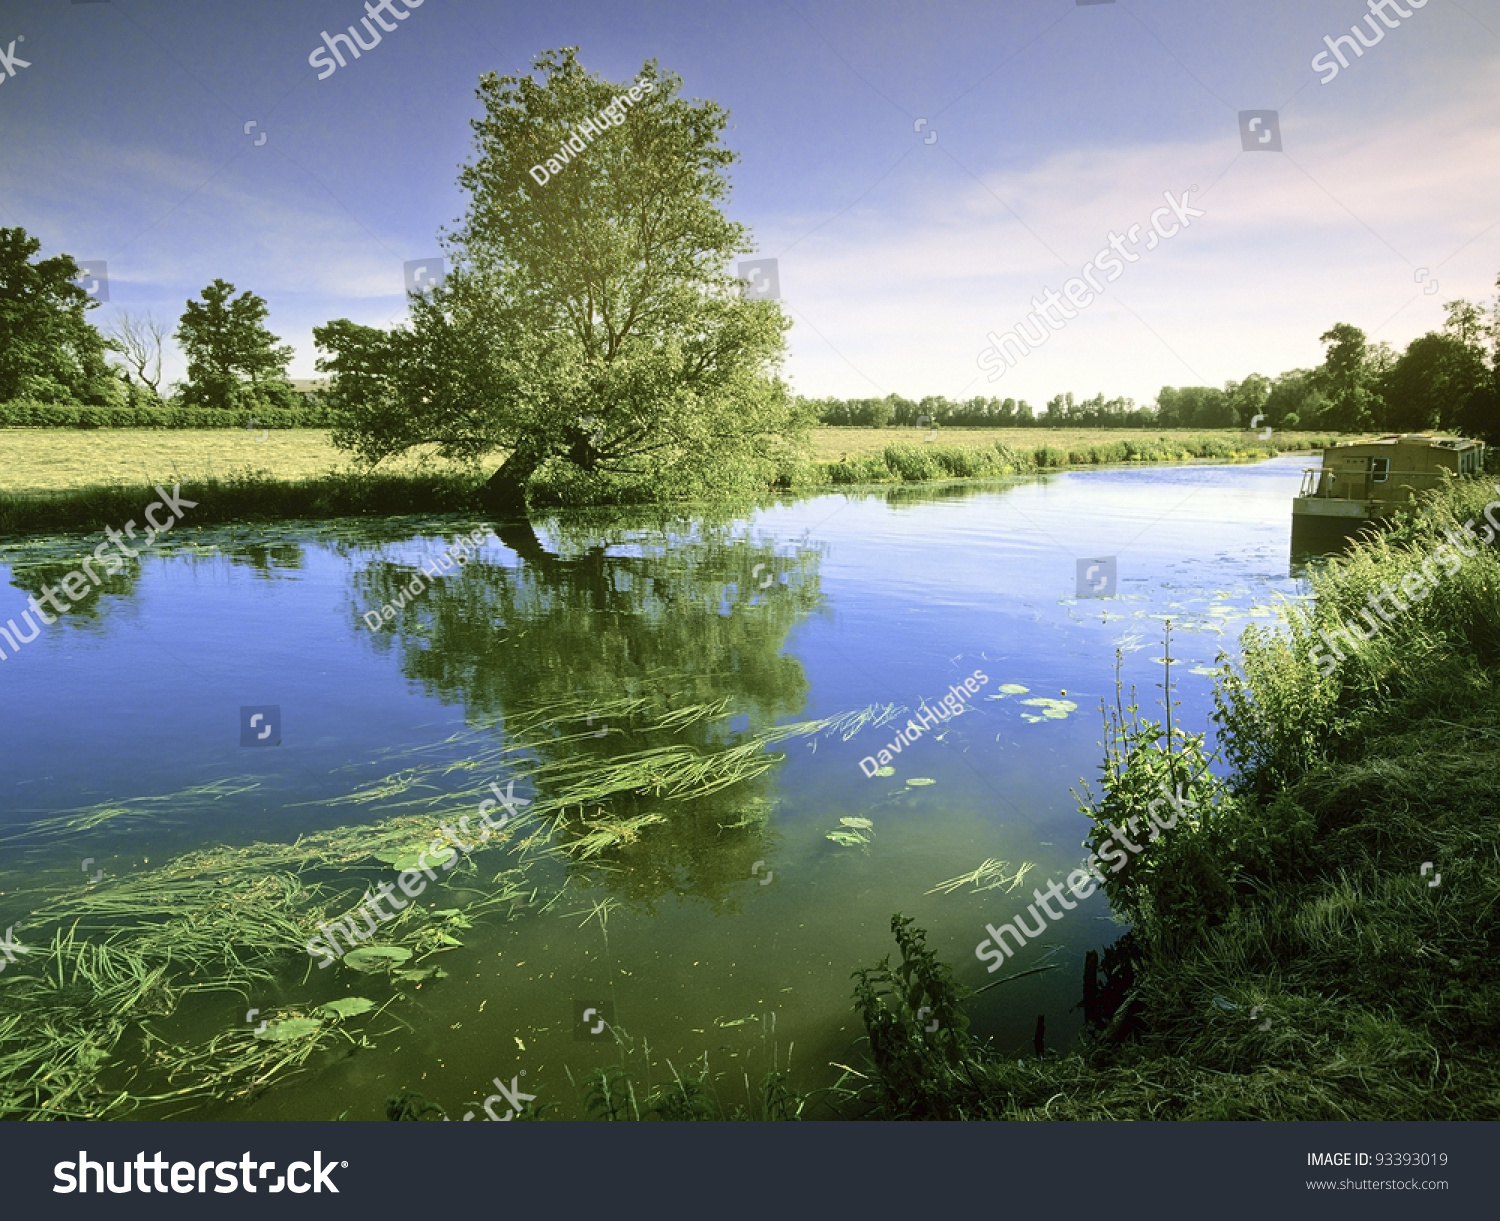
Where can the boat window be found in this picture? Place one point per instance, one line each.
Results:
(1380, 469)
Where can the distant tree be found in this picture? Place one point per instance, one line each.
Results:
(233, 361)
(1247, 399)
(1467, 323)
(1480, 416)
(1431, 384)
(1380, 358)
(1194, 407)
(49, 352)
(140, 339)
(1296, 401)
(1348, 381)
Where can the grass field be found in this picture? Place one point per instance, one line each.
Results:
(39, 460)
(34, 461)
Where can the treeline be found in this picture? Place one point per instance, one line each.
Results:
(1446, 380)
(58, 370)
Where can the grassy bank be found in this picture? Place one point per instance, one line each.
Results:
(62, 480)
(1318, 940)
(984, 454)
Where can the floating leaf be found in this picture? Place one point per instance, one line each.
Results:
(1008, 689)
(920, 780)
(847, 838)
(411, 858)
(864, 824)
(885, 771)
(346, 1006)
(290, 1028)
(1052, 710)
(374, 957)
(416, 975)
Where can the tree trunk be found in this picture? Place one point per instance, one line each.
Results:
(505, 493)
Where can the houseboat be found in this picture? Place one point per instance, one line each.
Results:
(1361, 482)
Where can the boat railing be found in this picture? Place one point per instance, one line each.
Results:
(1312, 476)
(1310, 480)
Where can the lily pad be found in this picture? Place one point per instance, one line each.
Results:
(1052, 710)
(1009, 689)
(885, 771)
(848, 838)
(412, 857)
(375, 957)
(346, 1006)
(290, 1028)
(416, 975)
(864, 824)
(920, 780)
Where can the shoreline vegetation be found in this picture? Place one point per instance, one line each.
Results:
(55, 480)
(1317, 940)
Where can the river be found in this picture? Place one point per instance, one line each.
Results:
(732, 925)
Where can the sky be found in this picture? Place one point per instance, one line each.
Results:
(920, 171)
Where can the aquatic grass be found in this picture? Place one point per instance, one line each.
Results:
(184, 805)
(990, 875)
(83, 1017)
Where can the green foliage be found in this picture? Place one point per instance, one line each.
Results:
(307, 414)
(1288, 959)
(48, 351)
(1155, 781)
(234, 363)
(918, 1032)
(1431, 385)
(246, 497)
(1349, 381)
(589, 322)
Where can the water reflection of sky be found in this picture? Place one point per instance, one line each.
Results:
(917, 592)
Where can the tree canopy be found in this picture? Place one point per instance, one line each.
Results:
(48, 351)
(234, 362)
(590, 316)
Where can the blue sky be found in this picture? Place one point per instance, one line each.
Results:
(1056, 125)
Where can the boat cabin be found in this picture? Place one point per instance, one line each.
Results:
(1386, 469)
(1362, 481)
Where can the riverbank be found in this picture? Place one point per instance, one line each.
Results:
(1318, 939)
(65, 480)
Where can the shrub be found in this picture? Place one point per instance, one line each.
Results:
(69, 415)
(913, 463)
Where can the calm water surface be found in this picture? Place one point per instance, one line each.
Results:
(733, 927)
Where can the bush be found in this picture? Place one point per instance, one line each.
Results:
(314, 414)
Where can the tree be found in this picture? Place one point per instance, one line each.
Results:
(233, 361)
(1248, 399)
(49, 353)
(1431, 384)
(1296, 401)
(1466, 322)
(1480, 416)
(1348, 381)
(141, 340)
(589, 317)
